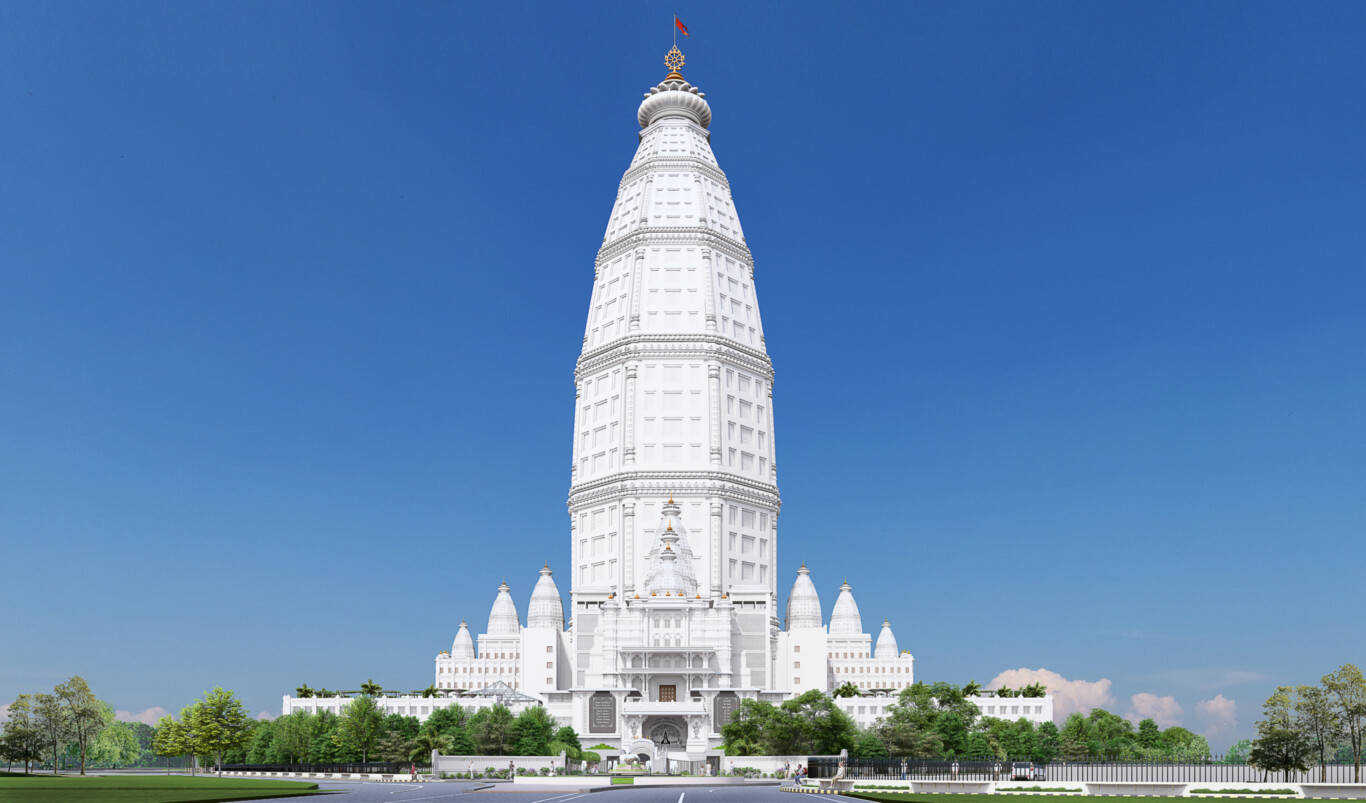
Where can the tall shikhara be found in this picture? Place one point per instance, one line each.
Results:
(675, 389)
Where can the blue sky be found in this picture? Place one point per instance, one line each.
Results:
(1066, 303)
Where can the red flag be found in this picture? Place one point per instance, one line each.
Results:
(681, 26)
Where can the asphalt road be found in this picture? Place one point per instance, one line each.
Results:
(361, 792)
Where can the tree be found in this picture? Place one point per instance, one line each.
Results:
(1347, 688)
(846, 689)
(972, 689)
(491, 729)
(430, 691)
(371, 689)
(53, 721)
(1149, 734)
(867, 745)
(23, 740)
(1034, 690)
(262, 749)
(218, 723)
(1237, 753)
(396, 746)
(293, 736)
(1317, 717)
(821, 727)
(172, 739)
(908, 728)
(447, 720)
(406, 725)
(303, 691)
(1280, 750)
(427, 742)
(1074, 738)
(1005, 691)
(360, 726)
(117, 744)
(532, 731)
(82, 712)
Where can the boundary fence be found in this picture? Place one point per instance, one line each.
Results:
(994, 769)
(372, 767)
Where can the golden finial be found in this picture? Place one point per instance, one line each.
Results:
(671, 525)
(671, 498)
(674, 61)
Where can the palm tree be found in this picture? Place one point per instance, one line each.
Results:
(304, 691)
(972, 689)
(847, 689)
(370, 688)
(427, 741)
(430, 691)
(1005, 691)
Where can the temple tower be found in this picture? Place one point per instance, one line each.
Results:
(674, 387)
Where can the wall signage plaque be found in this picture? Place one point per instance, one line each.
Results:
(602, 713)
(727, 703)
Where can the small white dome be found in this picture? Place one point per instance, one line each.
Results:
(845, 620)
(886, 643)
(463, 648)
(804, 604)
(546, 611)
(503, 619)
(674, 98)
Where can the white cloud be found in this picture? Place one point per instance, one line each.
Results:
(1220, 715)
(265, 716)
(149, 717)
(1069, 696)
(1163, 710)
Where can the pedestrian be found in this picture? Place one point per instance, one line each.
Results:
(512, 769)
(955, 770)
(413, 771)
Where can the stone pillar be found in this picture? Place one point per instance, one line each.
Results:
(637, 279)
(710, 288)
(717, 564)
(578, 422)
(628, 424)
(714, 391)
(628, 546)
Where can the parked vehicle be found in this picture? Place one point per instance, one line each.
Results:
(1023, 771)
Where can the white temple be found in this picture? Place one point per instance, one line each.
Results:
(673, 499)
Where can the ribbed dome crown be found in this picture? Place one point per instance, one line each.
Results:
(503, 619)
(803, 604)
(546, 611)
(463, 648)
(674, 97)
(886, 643)
(845, 620)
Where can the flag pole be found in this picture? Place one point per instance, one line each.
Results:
(675, 30)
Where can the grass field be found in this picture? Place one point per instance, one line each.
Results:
(144, 789)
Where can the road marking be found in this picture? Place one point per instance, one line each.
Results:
(680, 796)
(564, 797)
(409, 789)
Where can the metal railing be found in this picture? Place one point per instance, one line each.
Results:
(993, 769)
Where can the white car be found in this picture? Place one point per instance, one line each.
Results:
(1022, 771)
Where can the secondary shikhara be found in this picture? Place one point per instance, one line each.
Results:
(673, 499)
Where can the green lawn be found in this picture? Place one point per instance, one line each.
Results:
(145, 789)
